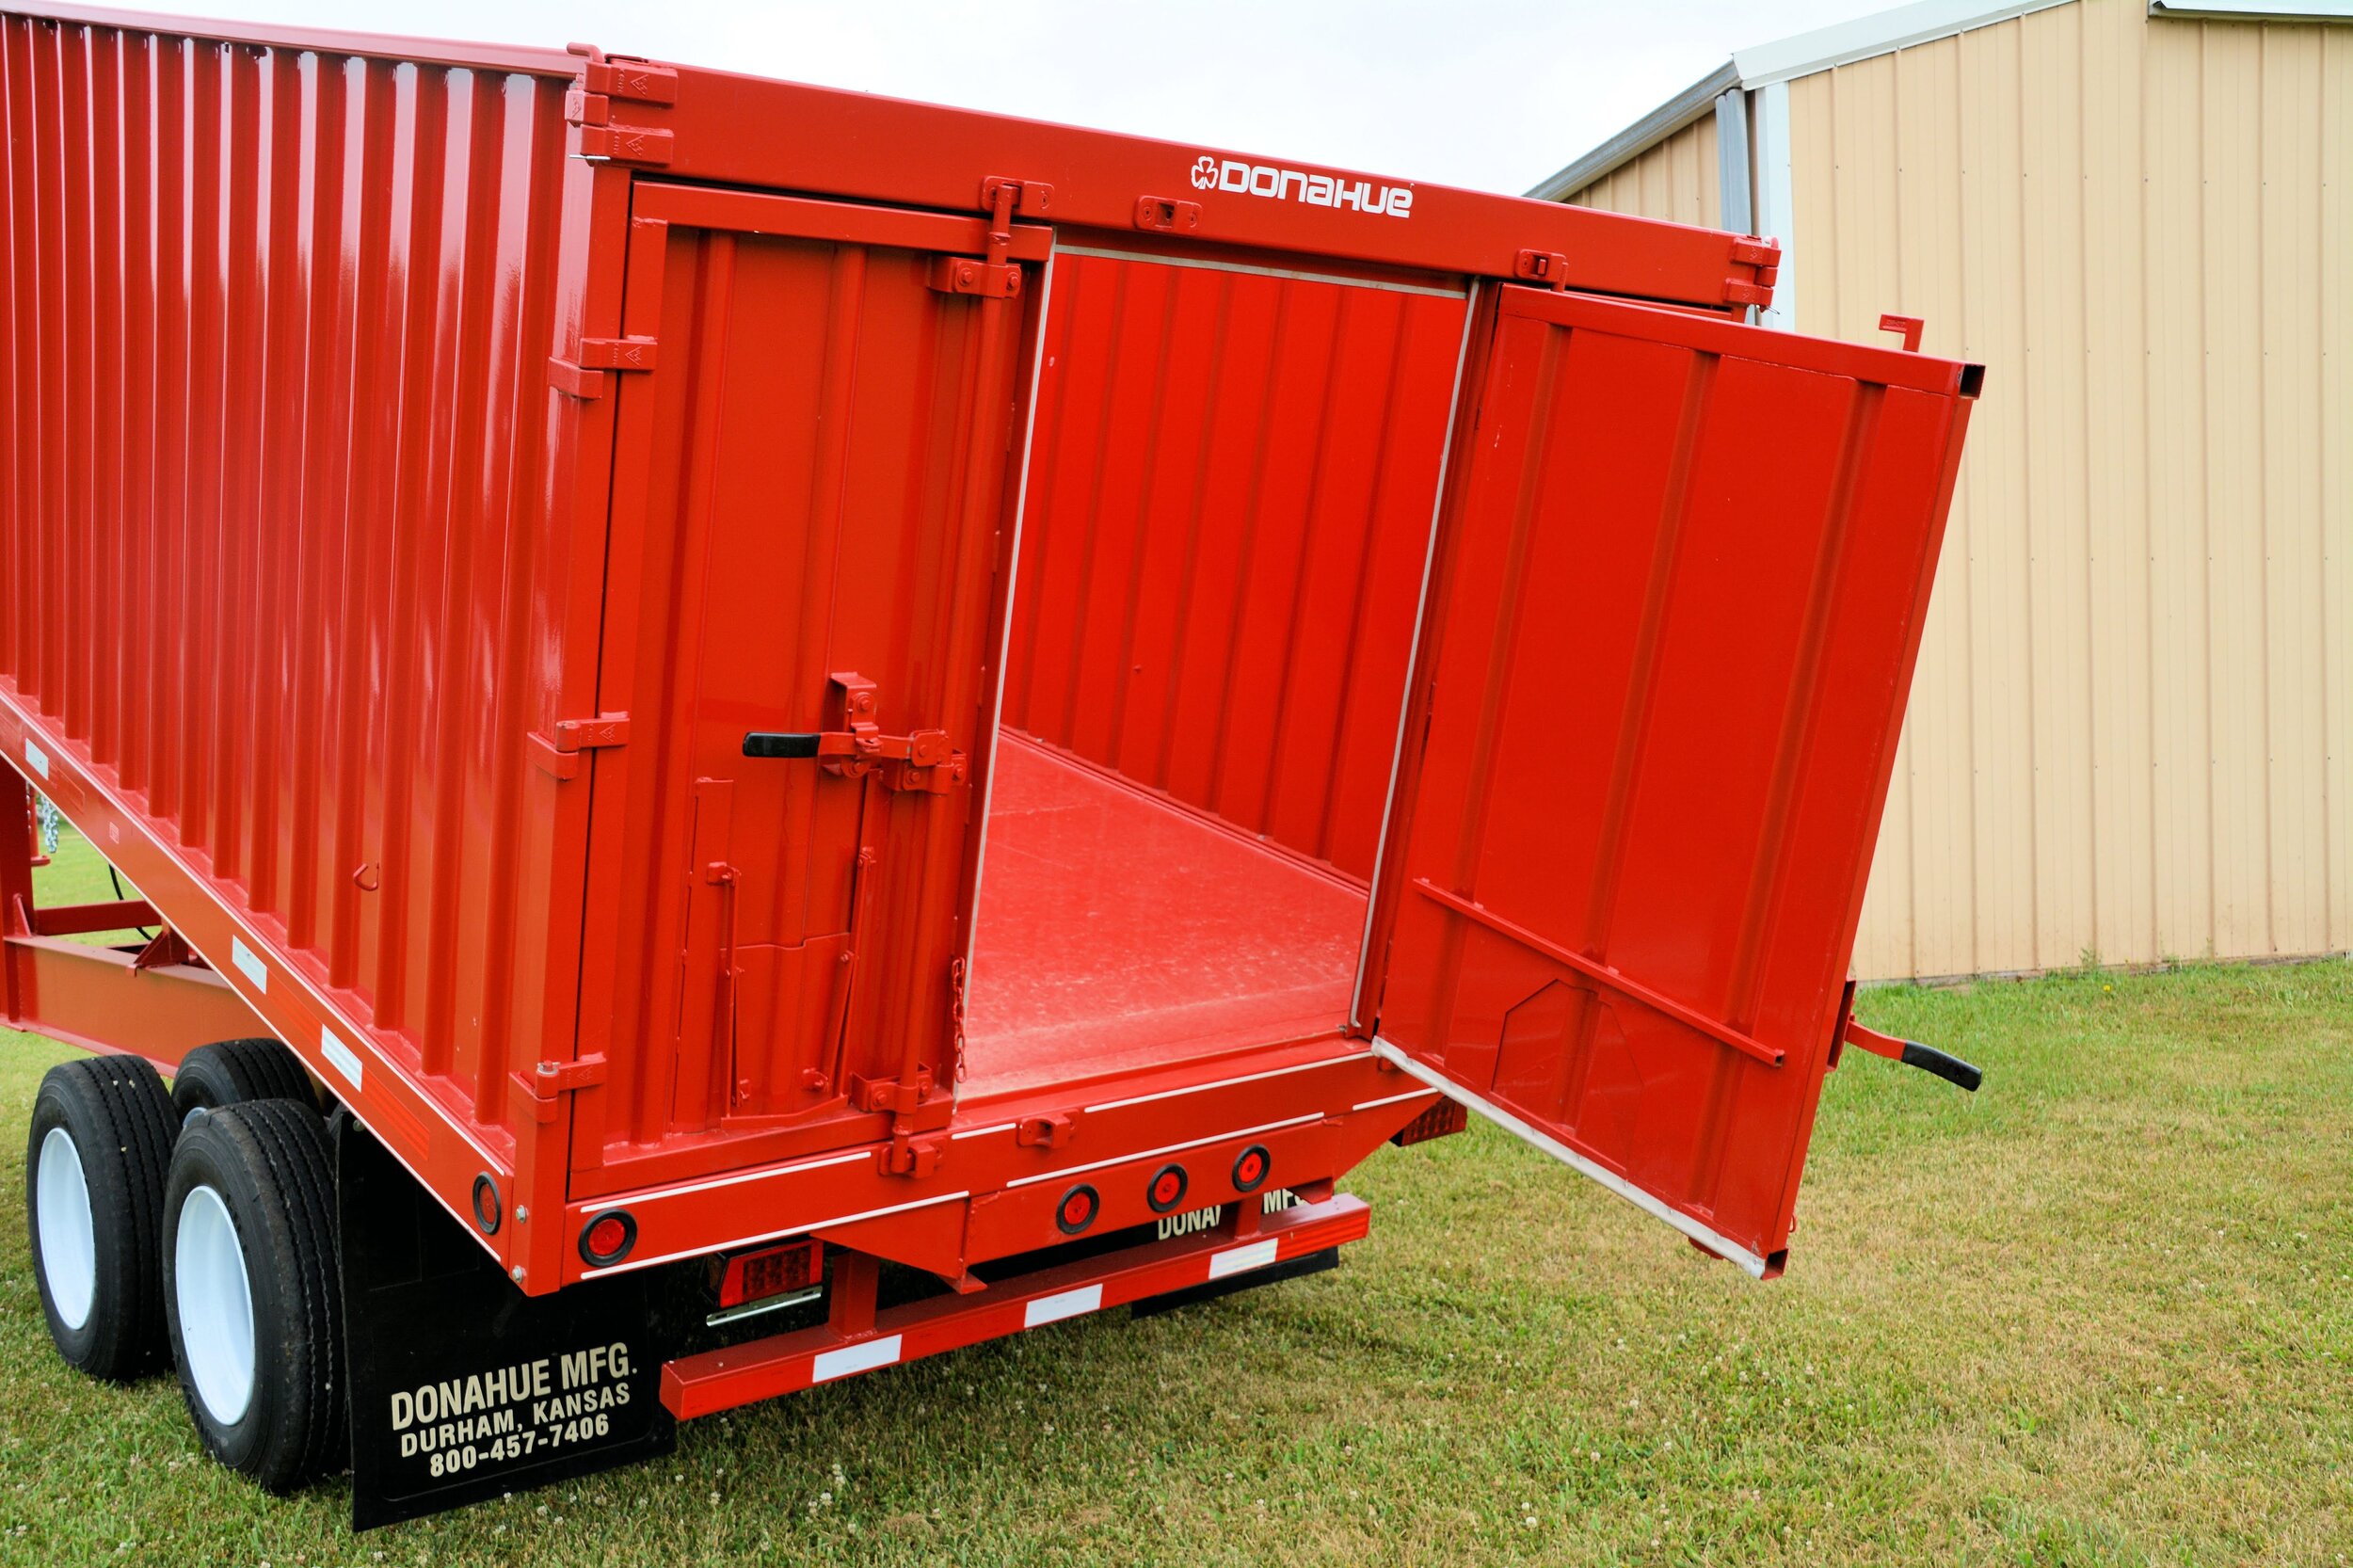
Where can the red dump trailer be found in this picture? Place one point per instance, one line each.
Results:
(762, 731)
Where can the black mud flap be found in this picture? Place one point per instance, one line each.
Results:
(461, 1386)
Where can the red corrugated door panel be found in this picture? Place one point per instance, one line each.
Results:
(807, 488)
(1678, 600)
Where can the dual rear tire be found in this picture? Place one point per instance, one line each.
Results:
(201, 1233)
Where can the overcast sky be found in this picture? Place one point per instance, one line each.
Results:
(1490, 93)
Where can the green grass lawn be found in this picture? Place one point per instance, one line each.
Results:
(2099, 1312)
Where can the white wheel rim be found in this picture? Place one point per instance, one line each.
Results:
(69, 1235)
(216, 1302)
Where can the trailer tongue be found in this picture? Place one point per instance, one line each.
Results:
(830, 729)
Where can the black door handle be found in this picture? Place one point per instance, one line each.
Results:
(781, 743)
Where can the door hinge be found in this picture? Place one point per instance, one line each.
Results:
(995, 276)
(602, 137)
(541, 1090)
(560, 755)
(962, 275)
(583, 375)
(920, 761)
(1764, 256)
(639, 81)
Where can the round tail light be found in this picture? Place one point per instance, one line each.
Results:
(1077, 1209)
(1251, 1167)
(488, 1211)
(607, 1238)
(1166, 1189)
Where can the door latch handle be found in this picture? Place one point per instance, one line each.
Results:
(1912, 1053)
(921, 759)
(786, 742)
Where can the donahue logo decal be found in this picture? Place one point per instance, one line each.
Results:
(1295, 185)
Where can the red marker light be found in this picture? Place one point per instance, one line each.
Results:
(1077, 1209)
(1166, 1189)
(608, 1238)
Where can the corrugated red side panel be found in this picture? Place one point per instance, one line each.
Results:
(275, 395)
(1229, 504)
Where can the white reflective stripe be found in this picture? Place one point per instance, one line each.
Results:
(1391, 1099)
(340, 1056)
(248, 963)
(1234, 1260)
(1647, 1202)
(1070, 1304)
(37, 757)
(854, 1359)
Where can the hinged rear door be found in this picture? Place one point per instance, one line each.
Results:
(1671, 629)
(817, 406)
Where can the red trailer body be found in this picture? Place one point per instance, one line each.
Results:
(749, 661)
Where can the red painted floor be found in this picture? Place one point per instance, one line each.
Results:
(1116, 931)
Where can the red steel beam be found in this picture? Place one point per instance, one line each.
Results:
(76, 919)
(721, 1380)
(95, 997)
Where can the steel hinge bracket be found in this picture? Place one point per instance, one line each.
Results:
(962, 275)
(559, 754)
(583, 375)
(890, 1093)
(541, 1091)
(602, 137)
(1764, 258)
(995, 277)
(639, 81)
(1031, 198)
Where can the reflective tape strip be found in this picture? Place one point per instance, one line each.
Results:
(1235, 1260)
(854, 1359)
(340, 1056)
(37, 757)
(249, 965)
(1070, 1304)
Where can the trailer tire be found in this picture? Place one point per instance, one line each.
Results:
(94, 1170)
(237, 1072)
(253, 1294)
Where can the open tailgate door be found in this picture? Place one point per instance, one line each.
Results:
(1670, 626)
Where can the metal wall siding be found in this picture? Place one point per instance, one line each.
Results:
(273, 424)
(1228, 511)
(1676, 179)
(2146, 694)
(2130, 729)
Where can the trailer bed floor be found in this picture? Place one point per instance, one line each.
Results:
(1118, 930)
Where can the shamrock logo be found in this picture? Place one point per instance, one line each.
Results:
(1204, 172)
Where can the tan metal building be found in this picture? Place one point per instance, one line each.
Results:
(2131, 735)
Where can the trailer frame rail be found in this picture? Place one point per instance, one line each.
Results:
(857, 1339)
